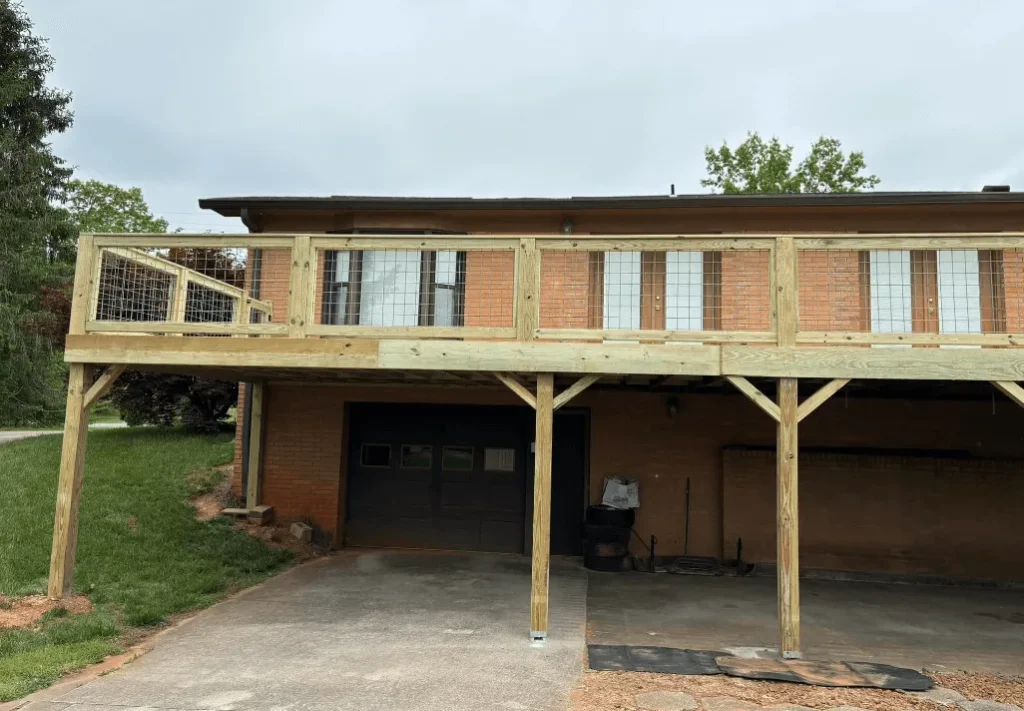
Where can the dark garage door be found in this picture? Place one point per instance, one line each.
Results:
(429, 476)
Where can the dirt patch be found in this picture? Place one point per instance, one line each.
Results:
(280, 536)
(1004, 689)
(27, 611)
(213, 490)
(213, 500)
(606, 691)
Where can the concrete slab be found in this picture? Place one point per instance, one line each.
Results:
(906, 625)
(367, 630)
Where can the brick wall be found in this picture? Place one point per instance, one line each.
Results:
(632, 434)
(490, 289)
(746, 291)
(565, 294)
(898, 514)
(831, 291)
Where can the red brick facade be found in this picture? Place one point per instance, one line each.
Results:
(898, 498)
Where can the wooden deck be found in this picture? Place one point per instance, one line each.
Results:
(183, 303)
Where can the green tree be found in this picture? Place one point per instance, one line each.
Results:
(760, 167)
(36, 239)
(96, 206)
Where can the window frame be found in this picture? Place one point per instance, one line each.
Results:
(654, 290)
(426, 297)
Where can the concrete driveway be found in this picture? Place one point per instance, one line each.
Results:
(364, 630)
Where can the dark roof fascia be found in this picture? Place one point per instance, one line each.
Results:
(232, 206)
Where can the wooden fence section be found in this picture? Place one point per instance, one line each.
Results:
(861, 291)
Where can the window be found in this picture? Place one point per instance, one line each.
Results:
(417, 456)
(457, 459)
(622, 290)
(684, 291)
(959, 291)
(499, 459)
(394, 288)
(936, 291)
(677, 291)
(375, 455)
(890, 291)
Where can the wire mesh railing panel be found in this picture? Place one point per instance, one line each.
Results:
(184, 285)
(955, 292)
(676, 291)
(405, 288)
(130, 290)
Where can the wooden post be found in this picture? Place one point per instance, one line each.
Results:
(542, 507)
(86, 285)
(252, 488)
(527, 305)
(786, 291)
(788, 536)
(299, 287)
(69, 486)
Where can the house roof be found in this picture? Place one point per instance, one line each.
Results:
(232, 206)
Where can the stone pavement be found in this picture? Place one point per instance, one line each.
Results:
(681, 701)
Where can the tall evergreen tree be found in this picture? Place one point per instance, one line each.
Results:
(36, 238)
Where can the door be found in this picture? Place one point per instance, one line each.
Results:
(437, 476)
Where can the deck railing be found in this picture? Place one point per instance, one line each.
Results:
(906, 290)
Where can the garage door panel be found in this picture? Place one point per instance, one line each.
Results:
(437, 501)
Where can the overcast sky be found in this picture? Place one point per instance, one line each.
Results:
(200, 98)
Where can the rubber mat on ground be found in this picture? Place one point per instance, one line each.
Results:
(861, 674)
(660, 660)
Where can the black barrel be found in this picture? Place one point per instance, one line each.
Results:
(606, 538)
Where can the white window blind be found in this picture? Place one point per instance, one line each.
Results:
(622, 290)
(891, 291)
(684, 291)
(390, 288)
(959, 291)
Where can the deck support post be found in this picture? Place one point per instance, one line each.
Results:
(252, 488)
(69, 487)
(542, 507)
(788, 536)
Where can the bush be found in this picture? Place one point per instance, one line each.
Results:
(200, 405)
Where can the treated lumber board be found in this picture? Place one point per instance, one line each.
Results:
(231, 352)
(518, 357)
(252, 488)
(526, 314)
(518, 388)
(930, 241)
(540, 563)
(299, 287)
(819, 398)
(226, 327)
(102, 385)
(432, 243)
(756, 396)
(596, 334)
(86, 282)
(679, 243)
(69, 486)
(950, 339)
(788, 521)
(786, 292)
(1011, 389)
(192, 241)
(406, 332)
(874, 363)
(575, 389)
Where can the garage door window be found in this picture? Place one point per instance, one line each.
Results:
(375, 455)
(499, 459)
(457, 459)
(416, 456)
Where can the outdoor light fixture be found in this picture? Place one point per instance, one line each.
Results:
(567, 226)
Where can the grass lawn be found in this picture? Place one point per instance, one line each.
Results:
(142, 555)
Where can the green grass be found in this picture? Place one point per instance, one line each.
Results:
(142, 556)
